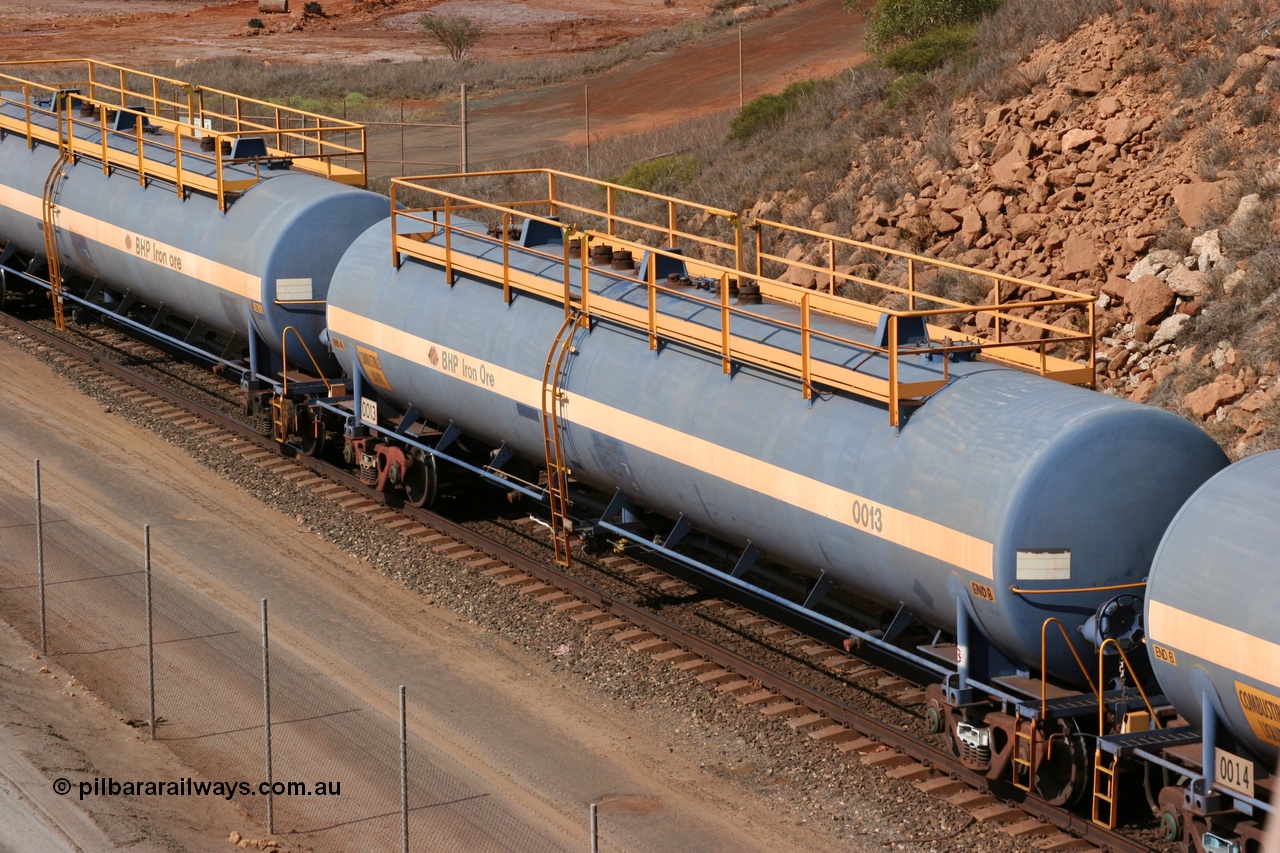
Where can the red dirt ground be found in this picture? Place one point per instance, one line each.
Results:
(813, 39)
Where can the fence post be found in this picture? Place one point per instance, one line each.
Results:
(586, 115)
(462, 122)
(404, 777)
(595, 831)
(44, 644)
(266, 707)
(151, 648)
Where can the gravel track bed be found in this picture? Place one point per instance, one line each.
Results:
(798, 779)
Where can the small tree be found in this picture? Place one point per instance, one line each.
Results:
(456, 33)
(892, 22)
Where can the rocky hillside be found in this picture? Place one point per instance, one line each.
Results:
(1137, 160)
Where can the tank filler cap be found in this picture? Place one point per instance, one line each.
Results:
(1118, 619)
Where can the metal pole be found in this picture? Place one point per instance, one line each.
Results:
(586, 113)
(595, 831)
(44, 644)
(462, 122)
(404, 777)
(151, 648)
(402, 136)
(739, 67)
(266, 705)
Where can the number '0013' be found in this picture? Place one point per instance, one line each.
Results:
(867, 515)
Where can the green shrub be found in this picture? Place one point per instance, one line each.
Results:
(662, 174)
(902, 87)
(892, 22)
(932, 50)
(313, 9)
(256, 24)
(768, 110)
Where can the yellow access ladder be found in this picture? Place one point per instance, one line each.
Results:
(1024, 769)
(557, 473)
(1104, 795)
(49, 210)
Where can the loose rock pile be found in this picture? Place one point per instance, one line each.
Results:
(1105, 178)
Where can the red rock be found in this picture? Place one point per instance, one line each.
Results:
(991, 203)
(1190, 284)
(1192, 308)
(1024, 225)
(1199, 201)
(1149, 299)
(1108, 106)
(1116, 287)
(954, 199)
(1090, 82)
(943, 222)
(1255, 402)
(1144, 390)
(1079, 254)
(1077, 138)
(1204, 401)
(1118, 131)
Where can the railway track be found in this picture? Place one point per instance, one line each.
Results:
(812, 712)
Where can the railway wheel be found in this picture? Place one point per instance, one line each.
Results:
(421, 481)
(1063, 777)
(311, 432)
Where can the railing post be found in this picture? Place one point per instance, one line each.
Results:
(448, 240)
(395, 233)
(725, 344)
(736, 221)
(142, 171)
(831, 265)
(610, 207)
(911, 284)
(568, 279)
(653, 301)
(102, 135)
(806, 367)
(551, 195)
(586, 281)
(506, 257)
(671, 224)
(177, 159)
(893, 371)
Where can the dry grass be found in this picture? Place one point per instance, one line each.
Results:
(398, 80)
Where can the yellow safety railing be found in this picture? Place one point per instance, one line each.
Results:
(65, 102)
(1031, 352)
(441, 216)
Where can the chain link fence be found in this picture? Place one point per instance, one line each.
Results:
(209, 673)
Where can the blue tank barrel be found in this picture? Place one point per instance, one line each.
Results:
(1003, 480)
(1212, 633)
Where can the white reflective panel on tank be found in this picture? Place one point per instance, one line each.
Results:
(1048, 564)
(294, 290)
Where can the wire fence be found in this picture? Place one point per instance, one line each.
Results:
(210, 675)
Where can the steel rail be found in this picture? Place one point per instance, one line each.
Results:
(728, 659)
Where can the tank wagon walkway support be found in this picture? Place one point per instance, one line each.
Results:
(530, 249)
(194, 138)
